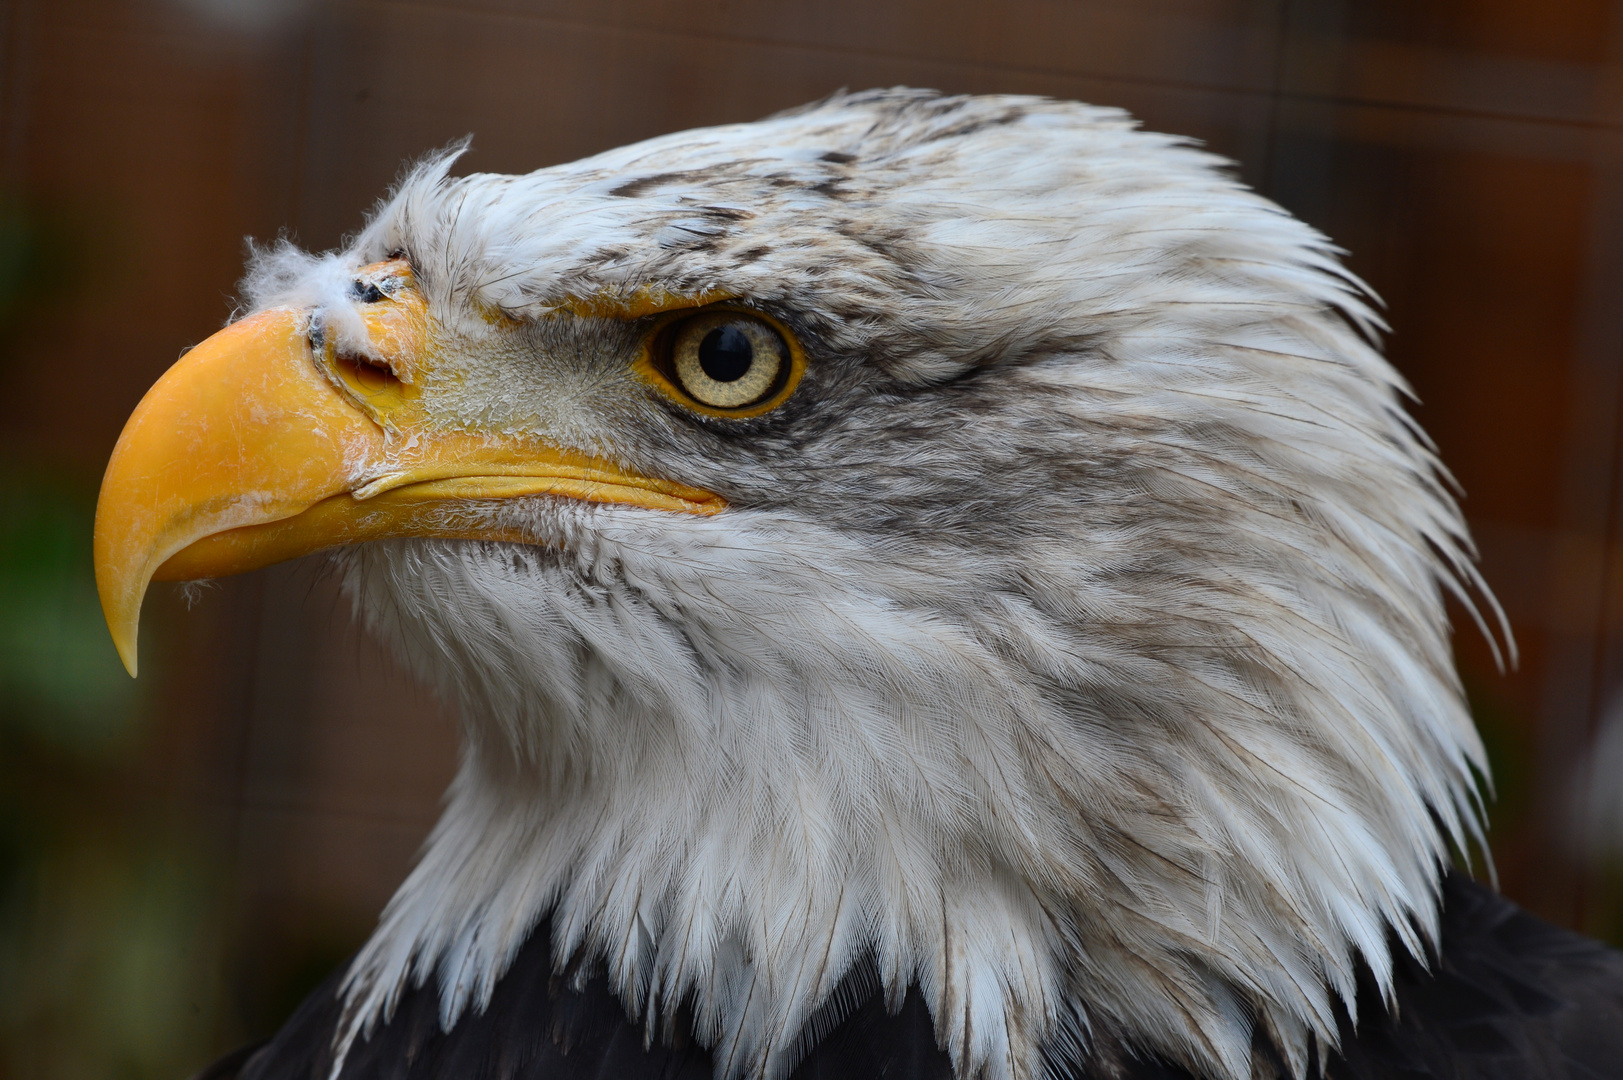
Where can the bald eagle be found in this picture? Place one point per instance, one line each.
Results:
(933, 587)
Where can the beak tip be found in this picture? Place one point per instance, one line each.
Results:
(123, 624)
(124, 642)
(128, 656)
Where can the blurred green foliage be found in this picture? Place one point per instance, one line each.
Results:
(58, 682)
(110, 971)
(110, 930)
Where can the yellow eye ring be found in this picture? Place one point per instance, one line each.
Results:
(671, 360)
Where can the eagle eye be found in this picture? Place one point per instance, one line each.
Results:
(725, 362)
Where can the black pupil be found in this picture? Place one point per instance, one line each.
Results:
(725, 354)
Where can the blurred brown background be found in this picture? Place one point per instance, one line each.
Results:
(181, 857)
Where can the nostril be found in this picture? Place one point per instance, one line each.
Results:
(368, 374)
(367, 292)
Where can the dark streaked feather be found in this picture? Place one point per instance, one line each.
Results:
(1512, 998)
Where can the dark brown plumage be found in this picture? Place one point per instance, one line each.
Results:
(1511, 998)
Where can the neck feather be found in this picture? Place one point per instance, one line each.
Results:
(738, 796)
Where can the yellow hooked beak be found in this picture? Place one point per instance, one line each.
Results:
(255, 447)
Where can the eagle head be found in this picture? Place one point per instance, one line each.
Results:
(957, 543)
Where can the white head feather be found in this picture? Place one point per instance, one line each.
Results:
(1074, 644)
